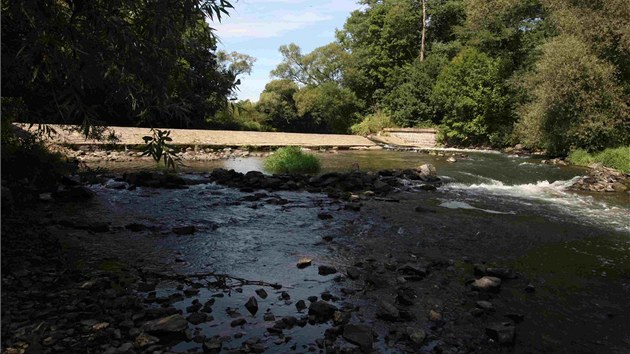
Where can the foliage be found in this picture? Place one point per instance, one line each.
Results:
(574, 100)
(292, 159)
(157, 146)
(617, 158)
(277, 103)
(373, 123)
(323, 64)
(328, 106)
(475, 101)
(242, 115)
(27, 162)
(122, 62)
(409, 100)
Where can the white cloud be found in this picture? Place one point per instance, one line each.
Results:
(261, 27)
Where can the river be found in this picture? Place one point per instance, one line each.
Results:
(263, 241)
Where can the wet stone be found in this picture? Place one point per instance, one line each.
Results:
(487, 283)
(262, 293)
(501, 333)
(485, 305)
(326, 270)
(360, 335)
(252, 305)
(169, 324)
(322, 310)
(238, 322)
(184, 230)
(300, 305)
(197, 318)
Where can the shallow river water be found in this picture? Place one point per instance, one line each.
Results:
(263, 241)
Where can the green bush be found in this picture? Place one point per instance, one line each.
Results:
(292, 159)
(617, 158)
(372, 124)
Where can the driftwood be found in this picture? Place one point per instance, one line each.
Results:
(222, 281)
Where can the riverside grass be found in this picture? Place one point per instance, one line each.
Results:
(617, 158)
(291, 159)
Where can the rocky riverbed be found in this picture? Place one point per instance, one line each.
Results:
(361, 262)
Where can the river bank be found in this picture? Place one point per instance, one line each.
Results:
(389, 266)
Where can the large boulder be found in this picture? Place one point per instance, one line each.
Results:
(427, 171)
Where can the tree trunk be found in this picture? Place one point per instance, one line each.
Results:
(424, 26)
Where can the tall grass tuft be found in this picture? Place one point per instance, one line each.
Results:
(617, 158)
(292, 159)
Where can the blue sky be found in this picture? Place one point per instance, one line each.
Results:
(260, 27)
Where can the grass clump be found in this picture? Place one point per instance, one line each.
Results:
(373, 123)
(617, 158)
(292, 159)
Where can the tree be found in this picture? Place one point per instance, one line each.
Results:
(574, 100)
(237, 63)
(323, 64)
(475, 100)
(276, 101)
(327, 107)
(127, 62)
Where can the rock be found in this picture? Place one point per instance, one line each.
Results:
(285, 296)
(530, 288)
(353, 273)
(487, 283)
(269, 317)
(502, 333)
(326, 270)
(421, 209)
(485, 305)
(300, 305)
(45, 197)
(341, 318)
(252, 305)
(417, 336)
(435, 316)
(197, 318)
(412, 272)
(324, 216)
(360, 335)
(134, 227)
(304, 262)
(144, 340)
(238, 322)
(322, 310)
(212, 346)
(191, 291)
(112, 184)
(97, 227)
(170, 324)
(184, 230)
(451, 159)
(427, 170)
(262, 293)
(388, 312)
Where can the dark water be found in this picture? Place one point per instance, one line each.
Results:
(262, 241)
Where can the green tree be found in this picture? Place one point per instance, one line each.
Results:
(475, 101)
(277, 103)
(323, 64)
(127, 62)
(327, 107)
(574, 100)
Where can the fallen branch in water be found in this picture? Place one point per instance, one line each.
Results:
(221, 279)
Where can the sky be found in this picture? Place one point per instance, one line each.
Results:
(259, 27)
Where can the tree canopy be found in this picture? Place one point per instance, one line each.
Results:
(127, 62)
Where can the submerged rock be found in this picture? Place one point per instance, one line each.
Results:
(322, 310)
(252, 305)
(170, 324)
(501, 333)
(487, 283)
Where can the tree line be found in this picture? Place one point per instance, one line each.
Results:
(551, 74)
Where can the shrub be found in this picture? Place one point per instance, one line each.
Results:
(617, 158)
(292, 159)
(372, 124)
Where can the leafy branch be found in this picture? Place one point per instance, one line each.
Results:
(157, 146)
